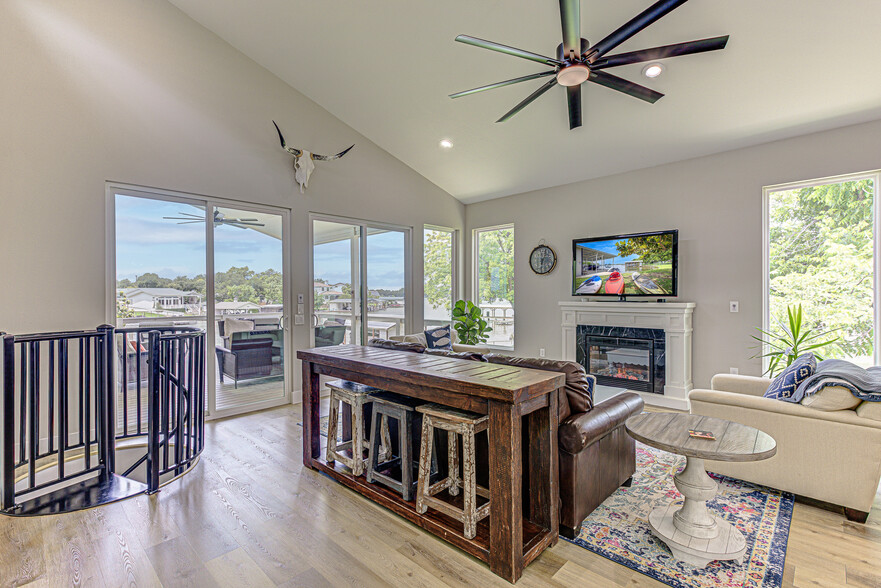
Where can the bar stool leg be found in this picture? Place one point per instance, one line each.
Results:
(386, 453)
(374, 455)
(357, 440)
(331, 427)
(405, 433)
(469, 505)
(453, 462)
(424, 464)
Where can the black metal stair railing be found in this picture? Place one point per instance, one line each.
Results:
(174, 394)
(58, 410)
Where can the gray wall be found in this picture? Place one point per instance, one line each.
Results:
(137, 92)
(714, 201)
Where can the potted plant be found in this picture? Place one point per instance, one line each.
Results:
(794, 340)
(469, 323)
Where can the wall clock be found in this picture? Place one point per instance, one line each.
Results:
(543, 259)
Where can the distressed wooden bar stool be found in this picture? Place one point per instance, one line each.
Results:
(356, 396)
(456, 423)
(387, 405)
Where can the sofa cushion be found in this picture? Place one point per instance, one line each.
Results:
(783, 387)
(396, 345)
(471, 355)
(831, 397)
(578, 395)
(870, 410)
(439, 338)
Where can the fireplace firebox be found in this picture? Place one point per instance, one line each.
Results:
(623, 357)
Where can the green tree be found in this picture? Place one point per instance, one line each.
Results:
(438, 251)
(650, 249)
(495, 265)
(124, 283)
(821, 256)
(234, 284)
(151, 280)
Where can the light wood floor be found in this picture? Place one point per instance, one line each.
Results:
(249, 515)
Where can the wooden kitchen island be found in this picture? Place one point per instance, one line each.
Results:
(514, 534)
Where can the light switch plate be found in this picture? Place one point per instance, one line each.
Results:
(300, 308)
(299, 319)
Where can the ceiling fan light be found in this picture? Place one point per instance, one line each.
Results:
(653, 70)
(573, 75)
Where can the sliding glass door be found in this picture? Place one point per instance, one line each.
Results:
(249, 308)
(170, 267)
(360, 277)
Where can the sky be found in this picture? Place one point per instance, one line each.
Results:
(146, 242)
(385, 261)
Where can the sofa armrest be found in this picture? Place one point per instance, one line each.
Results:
(585, 428)
(751, 385)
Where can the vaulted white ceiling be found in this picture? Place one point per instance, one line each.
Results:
(386, 67)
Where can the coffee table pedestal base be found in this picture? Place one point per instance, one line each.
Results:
(728, 544)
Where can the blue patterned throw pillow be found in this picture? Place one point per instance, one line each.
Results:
(439, 338)
(784, 386)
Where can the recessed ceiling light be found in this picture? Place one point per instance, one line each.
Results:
(653, 70)
(446, 144)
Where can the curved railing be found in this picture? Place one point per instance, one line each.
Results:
(174, 396)
(60, 419)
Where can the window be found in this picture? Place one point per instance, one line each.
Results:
(494, 281)
(820, 253)
(439, 253)
(361, 277)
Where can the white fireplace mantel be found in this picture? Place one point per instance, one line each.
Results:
(674, 318)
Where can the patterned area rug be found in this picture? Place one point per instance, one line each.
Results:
(618, 529)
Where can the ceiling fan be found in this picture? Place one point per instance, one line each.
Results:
(577, 62)
(188, 218)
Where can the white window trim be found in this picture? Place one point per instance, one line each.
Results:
(875, 176)
(454, 259)
(475, 281)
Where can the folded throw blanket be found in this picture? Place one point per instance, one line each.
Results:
(865, 384)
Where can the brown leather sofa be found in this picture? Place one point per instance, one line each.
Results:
(597, 456)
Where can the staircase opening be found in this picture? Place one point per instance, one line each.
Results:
(92, 417)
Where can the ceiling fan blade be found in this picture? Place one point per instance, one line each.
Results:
(502, 84)
(528, 100)
(573, 94)
(508, 50)
(570, 16)
(614, 82)
(677, 50)
(648, 16)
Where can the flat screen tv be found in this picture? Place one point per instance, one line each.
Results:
(641, 264)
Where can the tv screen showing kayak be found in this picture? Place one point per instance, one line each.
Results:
(642, 264)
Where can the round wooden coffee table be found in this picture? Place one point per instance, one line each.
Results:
(693, 534)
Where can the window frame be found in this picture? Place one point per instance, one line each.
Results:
(475, 279)
(454, 264)
(875, 176)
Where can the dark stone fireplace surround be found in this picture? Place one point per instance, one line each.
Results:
(652, 339)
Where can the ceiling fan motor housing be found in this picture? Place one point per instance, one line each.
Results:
(585, 45)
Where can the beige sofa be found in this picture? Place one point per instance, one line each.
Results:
(830, 456)
(420, 338)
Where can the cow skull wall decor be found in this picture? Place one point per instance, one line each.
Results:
(304, 161)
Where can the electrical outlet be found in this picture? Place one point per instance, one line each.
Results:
(300, 299)
(734, 370)
(541, 352)
(734, 306)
